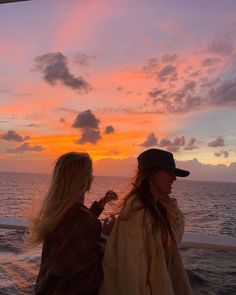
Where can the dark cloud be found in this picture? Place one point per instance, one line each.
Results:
(224, 154)
(209, 62)
(119, 88)
(221, 45)
(62, 120)
(174, 146)
(178, 143)
(191, 145)
(195, 74)
(161, 70)
(192, 88)
(151, 140)
(181, 100)
(219, 141)
(25, 147)
(86, 119)
(169, 58)
(152, 65)
(164, 142)
(223, 94)
(171, 99)
(109, 129)
(168, 72)
(204, 82)
(179, 140)
(155, 92)
(54, 68)
(11, 135)
(33, 125)
(89, 125)
(83, 59)
(189, 86)
(89, 135)
(189, 104)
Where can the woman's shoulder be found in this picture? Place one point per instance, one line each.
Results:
(131, 206)
(134, 218)
(77, 214)
(132, 211)
(77, 209)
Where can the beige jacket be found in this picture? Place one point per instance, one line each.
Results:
(125, 264)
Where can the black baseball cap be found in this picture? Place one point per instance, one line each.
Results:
(156, 158)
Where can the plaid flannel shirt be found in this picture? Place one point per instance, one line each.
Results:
(71, 255)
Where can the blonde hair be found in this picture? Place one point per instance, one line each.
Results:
(71, 178)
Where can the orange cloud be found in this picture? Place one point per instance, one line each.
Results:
(124, 144)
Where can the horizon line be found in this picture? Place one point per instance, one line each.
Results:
(120, 176)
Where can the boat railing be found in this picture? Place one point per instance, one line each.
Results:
(190, 240)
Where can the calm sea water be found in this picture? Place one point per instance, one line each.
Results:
(209, 208)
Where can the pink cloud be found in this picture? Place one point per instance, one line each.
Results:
(74, 29)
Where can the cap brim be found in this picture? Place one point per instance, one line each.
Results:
(181, 173)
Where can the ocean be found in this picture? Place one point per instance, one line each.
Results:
(208, 207)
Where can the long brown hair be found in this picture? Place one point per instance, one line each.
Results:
(140, 190)
(71, 178)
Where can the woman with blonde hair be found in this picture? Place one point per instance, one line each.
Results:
(70, 232)
(141, 255)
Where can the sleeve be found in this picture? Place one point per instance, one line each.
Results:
(77, 250)
(132, 264)
(96, 209)
(124, 263)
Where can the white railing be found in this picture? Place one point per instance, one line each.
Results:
(190, 240)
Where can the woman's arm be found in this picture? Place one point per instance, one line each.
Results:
(77, 246)
(98, 206)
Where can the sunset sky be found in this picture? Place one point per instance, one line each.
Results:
(115, 77)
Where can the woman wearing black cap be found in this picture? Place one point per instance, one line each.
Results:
(142, 256)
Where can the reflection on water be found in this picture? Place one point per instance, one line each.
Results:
(208, 207)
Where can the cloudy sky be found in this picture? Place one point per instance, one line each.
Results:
(115, 77)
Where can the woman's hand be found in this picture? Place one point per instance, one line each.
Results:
(108, 197)
(108, 225)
